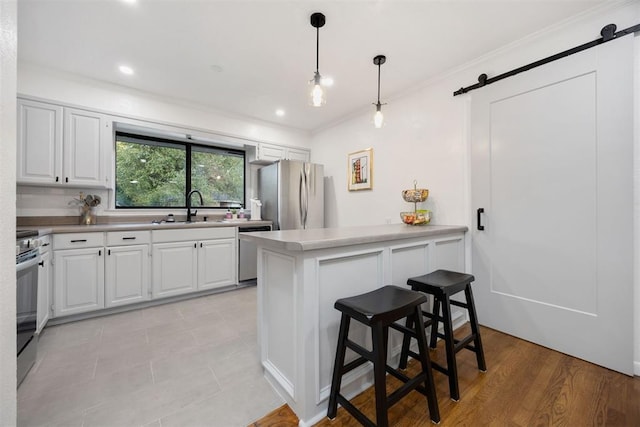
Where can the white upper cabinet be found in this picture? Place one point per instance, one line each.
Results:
(85, 136)
(62, 146)
(39, 151)
(269, 153)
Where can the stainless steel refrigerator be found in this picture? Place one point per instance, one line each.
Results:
(292, 194)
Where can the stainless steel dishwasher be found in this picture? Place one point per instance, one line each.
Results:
(248, 253)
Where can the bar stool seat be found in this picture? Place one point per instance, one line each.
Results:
(442, 284)
(379, 310)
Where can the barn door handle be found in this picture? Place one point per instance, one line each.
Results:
(479, 212)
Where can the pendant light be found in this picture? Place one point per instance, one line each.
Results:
(317, 95)
(378, 117)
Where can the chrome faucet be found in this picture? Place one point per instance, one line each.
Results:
(189, 214)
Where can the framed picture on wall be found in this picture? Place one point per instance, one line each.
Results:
(360, 170)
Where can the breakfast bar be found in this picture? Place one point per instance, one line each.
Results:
(301, 273)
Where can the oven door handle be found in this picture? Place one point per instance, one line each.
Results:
(28, 264)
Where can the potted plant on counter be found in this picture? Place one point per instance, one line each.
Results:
(87, 206)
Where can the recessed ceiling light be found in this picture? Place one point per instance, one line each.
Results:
(326, 81)
(125, 69)
(280, 112)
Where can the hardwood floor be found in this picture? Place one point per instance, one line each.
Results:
(525, 385)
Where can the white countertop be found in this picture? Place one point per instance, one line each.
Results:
(322, 238)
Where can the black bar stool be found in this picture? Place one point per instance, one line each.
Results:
(442, 284)
(379, 310)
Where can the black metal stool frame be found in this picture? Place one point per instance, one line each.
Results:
(378, 356)
(452, 345)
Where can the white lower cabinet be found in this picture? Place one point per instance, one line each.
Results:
(79, 279)
(103, 270)
(126, 275)
(44, 284)
(217, 263)
(78, 273)
(193, 259)
(174, 268)
(127, 268)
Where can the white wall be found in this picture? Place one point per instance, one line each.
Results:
(426, 137)
(8, 50)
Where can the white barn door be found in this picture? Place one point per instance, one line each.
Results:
(551, 160)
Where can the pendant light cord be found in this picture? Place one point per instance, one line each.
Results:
(378, 84)
(317, 49)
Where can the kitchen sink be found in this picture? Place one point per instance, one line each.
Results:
(174, 222)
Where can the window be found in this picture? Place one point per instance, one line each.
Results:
(158, 173)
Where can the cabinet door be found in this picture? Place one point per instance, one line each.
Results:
(270, 153)
(39, 151)
(295, 154)
(126, 275)
(217, 265)
(78, 280)
(84, 140)
(44, 290)
(174, 268)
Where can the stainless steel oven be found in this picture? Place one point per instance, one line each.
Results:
(27, 266)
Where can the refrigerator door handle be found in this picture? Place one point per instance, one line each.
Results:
(304, 197)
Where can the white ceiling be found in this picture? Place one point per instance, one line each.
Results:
(253, 57)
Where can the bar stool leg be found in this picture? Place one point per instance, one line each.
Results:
(406, 342)
(379, 372)
(337, 367)
(473, 318)
(425, 362)
(434, 323)
(449, 342)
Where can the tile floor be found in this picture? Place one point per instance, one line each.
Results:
(189, 363)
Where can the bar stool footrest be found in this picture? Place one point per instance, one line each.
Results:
(353, 365)
(355, 412)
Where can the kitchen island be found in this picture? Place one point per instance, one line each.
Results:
(301, 273)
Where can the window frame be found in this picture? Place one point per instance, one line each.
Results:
(188, 146)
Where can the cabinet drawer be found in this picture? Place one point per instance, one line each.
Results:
(121, 238)
(77, 240)
(193, 234)
(45, 243)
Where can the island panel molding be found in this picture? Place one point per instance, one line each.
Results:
(279, 328)
(340, 276)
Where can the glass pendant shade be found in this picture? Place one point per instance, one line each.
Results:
(317, 94)
(378, 117)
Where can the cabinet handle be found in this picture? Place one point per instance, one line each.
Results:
(45, 244)
(128, 238)
(100, 252)
(109, 252)
(57, 178)
(79, 241)
(200, 244)
(66, 179)
(195, 245)
(479, 213)
(41, 263)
